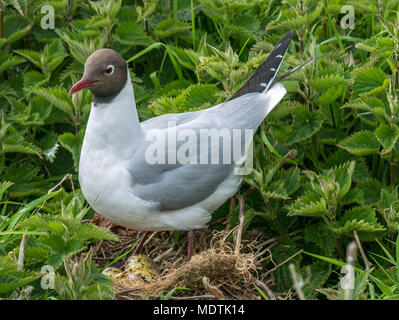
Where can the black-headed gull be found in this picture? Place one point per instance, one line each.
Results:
(164, 173)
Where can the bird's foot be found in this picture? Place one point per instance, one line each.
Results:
(138, 247)
(190, 245)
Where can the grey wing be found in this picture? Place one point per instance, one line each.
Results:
(175, 186)
(161, 122)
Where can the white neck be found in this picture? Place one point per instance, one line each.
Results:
(115, 126)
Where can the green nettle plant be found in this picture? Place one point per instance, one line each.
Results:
(326, 160)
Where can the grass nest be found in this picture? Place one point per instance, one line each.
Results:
(217, 269)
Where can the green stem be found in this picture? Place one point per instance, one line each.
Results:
(325, 25)
(174, 9)
(372, 18)
(392, 168)
(193, 23)
(1, 21)
(312, 138)
(333, 26)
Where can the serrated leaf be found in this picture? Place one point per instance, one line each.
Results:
(15, 27)
(93, 233)
(361, 143)
(130, 33)
(191, 98)
(361, 219)
(321, 236)
(16, 143)
(49, 145)
(309, 205)
(319, 274)
(371, 189)
(73, 144)
(343, 175)
(7, 61)
(58, 97)
(359, 226)
(367, 79)
(387, 136)
(329, 96)
(170, 27)
(306, 124)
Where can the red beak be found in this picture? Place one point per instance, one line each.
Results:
(81, 84)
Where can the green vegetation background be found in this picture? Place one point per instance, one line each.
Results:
(326, 160)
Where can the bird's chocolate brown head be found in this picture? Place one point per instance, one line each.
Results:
(105, 75)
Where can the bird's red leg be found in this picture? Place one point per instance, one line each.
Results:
(190, 239)
(140, 244)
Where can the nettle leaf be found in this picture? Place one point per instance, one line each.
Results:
(387, 197)
(361, 219)
(45, 223)
(288, 19)
(4, 185)
(32, 56)
(185, 13)
(321, 236)
(53, 55)
(366, 213)
(40, 107)
(367, 79)
(130, 33)
(282, 275)
(83, 281)
(170, 27)
(60, 248)
(73, 144)
(275, 190)
(49, 145)
(343, 175)
(188, 58)
(49, 59)
(5, 90)
(15, 27)
(28, 115)
(330, 87)
(325, 82)
(11, 278)
(17, 143)
(354, 196)
(371, 188)
(35, 79)
(80, 46)
(310, 205)
(387, 136)
(283, 109)
(58, 97)
(361, 143)
(192, 98)
(8, 61)
(26, 180)
(369, 104)
(92, 232)
(306, 124)
(291, 178)
(126, 14)
(317, 275)
(329, 96)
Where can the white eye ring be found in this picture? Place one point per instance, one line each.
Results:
(110, 66)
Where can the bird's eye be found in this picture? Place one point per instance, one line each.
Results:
(110, 69)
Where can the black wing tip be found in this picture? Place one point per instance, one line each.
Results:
(266, 76)
(289, 35)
